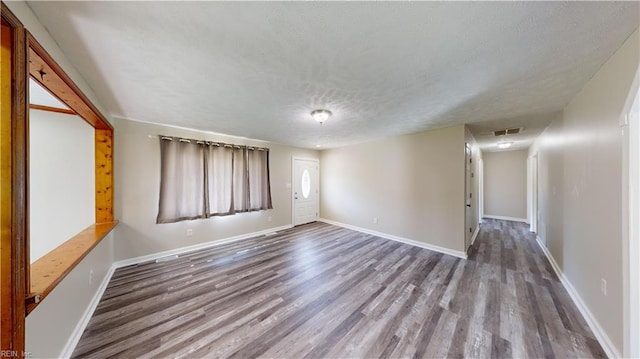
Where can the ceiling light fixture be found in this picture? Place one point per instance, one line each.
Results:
(320, 115)
(504, 145)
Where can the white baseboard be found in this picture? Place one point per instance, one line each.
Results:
(505, 218)
(431, 247)
(182, 250)
(597, 330)
(86, 316)
(475, 234)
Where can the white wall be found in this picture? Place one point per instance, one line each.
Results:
(580, 163)
(505, 184)
(49, 326)
(137, 186)
(61, 179)
(413, 184)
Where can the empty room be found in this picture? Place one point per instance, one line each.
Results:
(320, 179)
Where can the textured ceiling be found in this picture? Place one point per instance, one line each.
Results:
(256, 69)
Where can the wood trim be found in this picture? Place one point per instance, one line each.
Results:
(104, 175)
(51, 109)
(19, 280)
(49, 74)
(51, 269)
(14, 245)
(6, 299)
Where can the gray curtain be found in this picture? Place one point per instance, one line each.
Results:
(240, 179)
(182, 194)
(202, 179)
(259, 186)
(219, 173)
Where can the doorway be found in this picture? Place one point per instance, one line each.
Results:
(480, 190)
(304, 196)
(631, 219)
(468, 194)
(14, 280)
(533, 197)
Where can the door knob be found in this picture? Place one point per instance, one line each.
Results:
(468, 205)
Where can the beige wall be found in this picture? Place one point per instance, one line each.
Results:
(50, 325)
(61, 171)
(53, 322)
(137, 186)
(551, 188)
(413, 184)
(580, 165)
(505, 184)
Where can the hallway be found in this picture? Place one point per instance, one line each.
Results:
(536, 313)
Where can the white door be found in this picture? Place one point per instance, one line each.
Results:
(633, 195)
(535, 216)
(469, 222)
(480, 190)
(305, 191)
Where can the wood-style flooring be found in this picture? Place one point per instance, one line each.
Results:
(320, 291)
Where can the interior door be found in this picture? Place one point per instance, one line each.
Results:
(468, 196)
(534, 195)
(305, 191)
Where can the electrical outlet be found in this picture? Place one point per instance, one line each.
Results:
(603, 286)
(375, 220)
(189, 232)
(91, 277)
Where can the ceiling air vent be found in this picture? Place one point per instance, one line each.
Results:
(507, 131)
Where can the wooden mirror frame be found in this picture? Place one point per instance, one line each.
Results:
(25, 285)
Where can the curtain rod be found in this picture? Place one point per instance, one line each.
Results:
(211, 143)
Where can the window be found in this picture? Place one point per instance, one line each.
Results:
(201, 179)
(306, 184)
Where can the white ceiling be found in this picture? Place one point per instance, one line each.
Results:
(39, 96)
(256, 69)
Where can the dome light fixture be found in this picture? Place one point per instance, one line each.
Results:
(504, 145)
(320, 115)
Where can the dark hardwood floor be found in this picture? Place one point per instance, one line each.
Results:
(320, 291)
